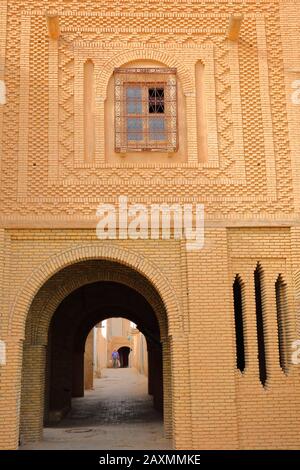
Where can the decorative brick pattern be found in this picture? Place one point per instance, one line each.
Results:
(238, 181)
(249, 185)
(3, 26)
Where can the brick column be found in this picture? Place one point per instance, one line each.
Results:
(32, 398)
(210, 337)
(10, 391)
(192, 128)
(158, 379)
(150, 368)
(89, 362)
(167, 391)
(181, 399)
(77, 374)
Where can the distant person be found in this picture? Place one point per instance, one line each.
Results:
(115, 359)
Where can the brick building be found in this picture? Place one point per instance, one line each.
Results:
(121, 335)
(168, 101)
(114, 334)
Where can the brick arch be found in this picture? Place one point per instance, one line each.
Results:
(57, 262)
(143, 54)
(119, 343)
(81, 335)
(42, 310)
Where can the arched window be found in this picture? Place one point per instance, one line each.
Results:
(239, 323)
(145, 109)
(281, 308)
(260, 325)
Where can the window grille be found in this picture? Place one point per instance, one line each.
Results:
(145, 109)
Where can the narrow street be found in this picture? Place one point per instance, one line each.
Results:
(117, 414)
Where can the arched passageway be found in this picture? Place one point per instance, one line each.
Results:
(124, 352)
(69, 328)
(53, 364)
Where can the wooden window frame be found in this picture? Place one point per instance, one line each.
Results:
(146, 78)
(145, 116)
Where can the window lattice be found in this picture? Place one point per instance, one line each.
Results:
(146, 109)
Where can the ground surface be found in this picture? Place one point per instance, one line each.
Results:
(117, 414)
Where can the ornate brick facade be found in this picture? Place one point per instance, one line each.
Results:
(246, 174)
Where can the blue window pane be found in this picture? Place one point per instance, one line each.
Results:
(134, 100)
(157, 129)
(134, 129)
(134, 93)
(134, 107)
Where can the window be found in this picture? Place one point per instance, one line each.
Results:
(239, 323)
(260, 325)
(146, 110)
(281, 310)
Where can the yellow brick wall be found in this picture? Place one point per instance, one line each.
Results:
(88, 362)
(212, 404)
(249, 186)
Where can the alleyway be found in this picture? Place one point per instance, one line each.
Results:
(117, 414)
